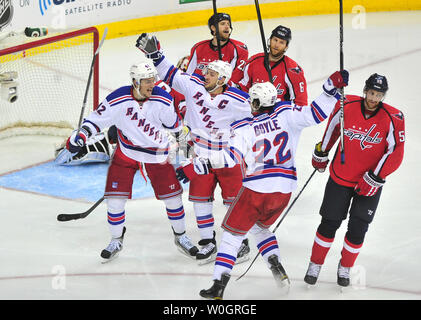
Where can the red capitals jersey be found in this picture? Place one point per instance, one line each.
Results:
(375, 143)
(233, 52)
(288, 78)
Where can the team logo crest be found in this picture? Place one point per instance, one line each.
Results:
(6, 12)
(297, 69)
(366, 138)
(398, 115)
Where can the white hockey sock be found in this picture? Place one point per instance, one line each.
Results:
(204, 219)
(227, 254)
(266, 242)
(175, 213)
(116, 216)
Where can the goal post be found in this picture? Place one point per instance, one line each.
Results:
(51, 75)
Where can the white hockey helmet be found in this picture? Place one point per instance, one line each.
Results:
(143, 70)
(223, 69)
(262, 94)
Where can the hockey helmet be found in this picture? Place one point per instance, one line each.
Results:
(223, 69)
(143, 70)
(376, 82)
(262, 94)
(282, 33)
(218, 17)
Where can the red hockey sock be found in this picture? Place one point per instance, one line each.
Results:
(350, 253)
(320, 249)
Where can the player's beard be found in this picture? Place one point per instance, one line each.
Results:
(278, 54)
(224, 36)
(371, 105)
(210, 88)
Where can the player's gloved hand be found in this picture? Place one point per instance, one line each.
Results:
(73, 145)
(150, 46)
(77, 140)
(337, 80)
(181, 138)
(369, 184)
(320, 158)
(191, 168)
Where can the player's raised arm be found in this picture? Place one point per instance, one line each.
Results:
(170, 74)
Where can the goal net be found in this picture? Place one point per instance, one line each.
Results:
(51, 75)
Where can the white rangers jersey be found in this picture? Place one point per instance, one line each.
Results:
(207, 118)
(141, 127)
(267, 143)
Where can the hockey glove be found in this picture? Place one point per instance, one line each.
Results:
(192, 168)
(77, 140)
(320, 158)
(337, 80)
(369, 184)
(150, 46)
(72, 147)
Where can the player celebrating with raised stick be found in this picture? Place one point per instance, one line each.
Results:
(267, 142)
(141, 112)
(374, 143)
(211, 106)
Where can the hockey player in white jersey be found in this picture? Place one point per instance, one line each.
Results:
(141, 112)
(211, 106)
(267, 142)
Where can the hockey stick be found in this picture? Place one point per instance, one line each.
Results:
(280, 221)
(262, 34)
(216, 25)
(341, 63)
(85, 98)
(75, 216)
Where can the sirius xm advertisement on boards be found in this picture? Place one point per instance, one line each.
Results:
(65, 14)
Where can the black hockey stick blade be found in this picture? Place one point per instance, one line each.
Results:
(74, 216)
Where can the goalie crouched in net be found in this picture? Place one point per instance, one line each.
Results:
(97, 149)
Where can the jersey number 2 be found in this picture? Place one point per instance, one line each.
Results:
(264, 147)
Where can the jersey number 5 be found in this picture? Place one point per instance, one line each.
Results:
(265, 146)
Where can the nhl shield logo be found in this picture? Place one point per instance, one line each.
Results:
(6, 12)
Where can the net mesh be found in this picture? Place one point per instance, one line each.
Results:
(52, 79)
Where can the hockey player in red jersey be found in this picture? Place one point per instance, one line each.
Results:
(287, 75)
(233, 51)
(374, 136)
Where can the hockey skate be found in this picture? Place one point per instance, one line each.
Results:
(343, 275)
(216, 292)
(184, 245)
(115, 246)
(244, 252)
(278, 271)
(312, 273)
(208, 251)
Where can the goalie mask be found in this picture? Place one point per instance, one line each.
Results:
(262, 96)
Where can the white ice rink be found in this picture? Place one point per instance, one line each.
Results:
(41, 258)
